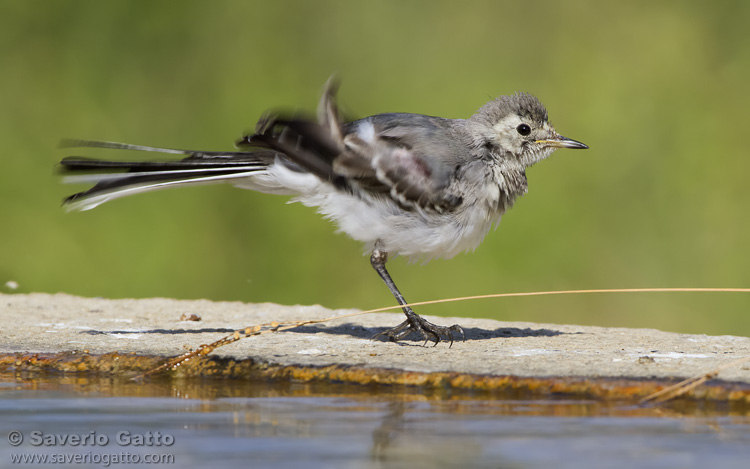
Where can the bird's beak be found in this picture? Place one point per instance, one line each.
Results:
(558, 141)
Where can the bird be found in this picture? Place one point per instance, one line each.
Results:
(403, 184)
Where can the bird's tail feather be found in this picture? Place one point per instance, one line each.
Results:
(115, 179)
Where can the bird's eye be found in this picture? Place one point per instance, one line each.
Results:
(524, 129)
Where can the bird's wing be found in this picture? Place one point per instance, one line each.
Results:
(389, 155)
(382, 161)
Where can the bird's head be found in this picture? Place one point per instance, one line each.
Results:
(517, 127)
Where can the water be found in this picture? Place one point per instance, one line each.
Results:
(226, 423)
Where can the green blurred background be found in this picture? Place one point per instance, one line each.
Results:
(658, 90)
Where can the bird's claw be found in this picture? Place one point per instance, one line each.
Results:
(428, 330)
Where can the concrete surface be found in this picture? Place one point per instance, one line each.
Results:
(63, 323)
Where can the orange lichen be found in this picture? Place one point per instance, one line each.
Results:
(131, 365)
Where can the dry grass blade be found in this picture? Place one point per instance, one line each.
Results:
(258, 329)
(683, 387)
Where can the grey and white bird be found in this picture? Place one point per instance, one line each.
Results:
(403, 184)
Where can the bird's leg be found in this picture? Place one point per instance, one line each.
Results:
(414, 322)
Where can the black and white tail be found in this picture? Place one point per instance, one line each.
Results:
(296, 143)
(115, 179)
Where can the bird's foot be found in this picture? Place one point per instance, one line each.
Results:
(428, 330)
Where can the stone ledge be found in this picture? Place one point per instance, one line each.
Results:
(60, 332)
